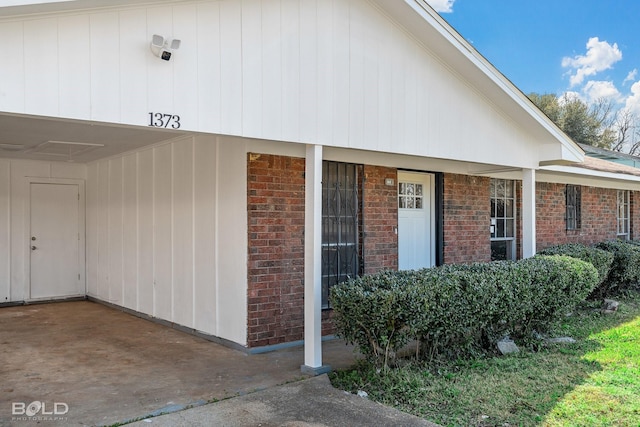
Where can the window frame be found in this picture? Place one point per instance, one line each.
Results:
(411, 195)
(622, 207)
(573, 207)
(507, 238)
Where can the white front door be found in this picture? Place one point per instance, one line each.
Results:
(54, 243)
(416, 223)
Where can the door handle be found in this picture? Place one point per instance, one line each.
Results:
(33, 248)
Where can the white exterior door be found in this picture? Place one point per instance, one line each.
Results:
(54, 243)
(416, 222)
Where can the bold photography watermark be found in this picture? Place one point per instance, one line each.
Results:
(39, 411)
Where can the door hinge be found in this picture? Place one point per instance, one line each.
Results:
(78, 196)
(78, 276)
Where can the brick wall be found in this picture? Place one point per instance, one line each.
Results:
(598, 213)
(634, 215)
(466, 219)
(380, 212)
(550, 213)
(518, 219)
(275, 203)
(275, 199)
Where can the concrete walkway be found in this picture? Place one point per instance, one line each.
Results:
(110, 367)
(311, 402)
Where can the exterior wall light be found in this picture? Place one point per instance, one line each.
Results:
(163, 48)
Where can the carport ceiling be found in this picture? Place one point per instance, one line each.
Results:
(37, 138)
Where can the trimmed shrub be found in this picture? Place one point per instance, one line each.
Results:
(470, 307)
(374, 312)
(458, 310)
(625, 270)
(559, 283)
(601, 259)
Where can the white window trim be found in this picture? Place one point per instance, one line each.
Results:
(627, 217)
(515, 220)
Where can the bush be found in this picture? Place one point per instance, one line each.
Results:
(374, 312)
(559, 283)
(601, 259)
(470, 307)
(458, 310)
(625, 270)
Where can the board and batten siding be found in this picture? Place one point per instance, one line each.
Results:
(338, 73)
(167, 234)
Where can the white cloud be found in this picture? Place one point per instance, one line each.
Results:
(631, 76)
(595, 90)
(633, 101)
(600, 56)
(444, 6)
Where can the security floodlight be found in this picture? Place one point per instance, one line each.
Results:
(162, 48)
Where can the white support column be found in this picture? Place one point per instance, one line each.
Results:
(528, 213)
(313, 263)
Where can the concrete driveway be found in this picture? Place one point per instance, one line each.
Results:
(93, 365)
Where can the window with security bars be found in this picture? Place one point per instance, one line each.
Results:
(503, 219)
(573, 206)
(623, 214)
(341, 224)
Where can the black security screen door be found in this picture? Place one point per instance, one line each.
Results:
(341, 224)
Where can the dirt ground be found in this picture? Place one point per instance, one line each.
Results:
(89, 364)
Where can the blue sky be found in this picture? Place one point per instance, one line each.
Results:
(590, 48)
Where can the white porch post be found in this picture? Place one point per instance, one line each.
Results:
(528, 213)
(313, 263)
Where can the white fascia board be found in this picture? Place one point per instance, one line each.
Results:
(589, 177)
(13, 8)
(8, 3)
(455, 52)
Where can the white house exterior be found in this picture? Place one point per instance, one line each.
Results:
(131, 172)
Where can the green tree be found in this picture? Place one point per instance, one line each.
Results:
(585, 124)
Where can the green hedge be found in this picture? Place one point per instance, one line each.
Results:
(558, 285)
(468, 307)
(599, 258)
(458, 310)
(625, 270)
(375, 312)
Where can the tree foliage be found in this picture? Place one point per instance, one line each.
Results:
(593, 124)
(627, 126)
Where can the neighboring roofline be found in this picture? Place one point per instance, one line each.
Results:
(610, 153)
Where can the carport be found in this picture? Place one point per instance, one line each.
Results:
(108, 366)
(124, 176)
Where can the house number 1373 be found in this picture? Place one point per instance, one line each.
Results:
(162, 120)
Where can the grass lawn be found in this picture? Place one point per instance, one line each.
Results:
(595, 382)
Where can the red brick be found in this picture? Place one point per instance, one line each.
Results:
(275, 199)
(380, 215)
(598, 215)
(466, 219)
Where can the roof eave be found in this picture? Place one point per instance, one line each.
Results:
(439, 37)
